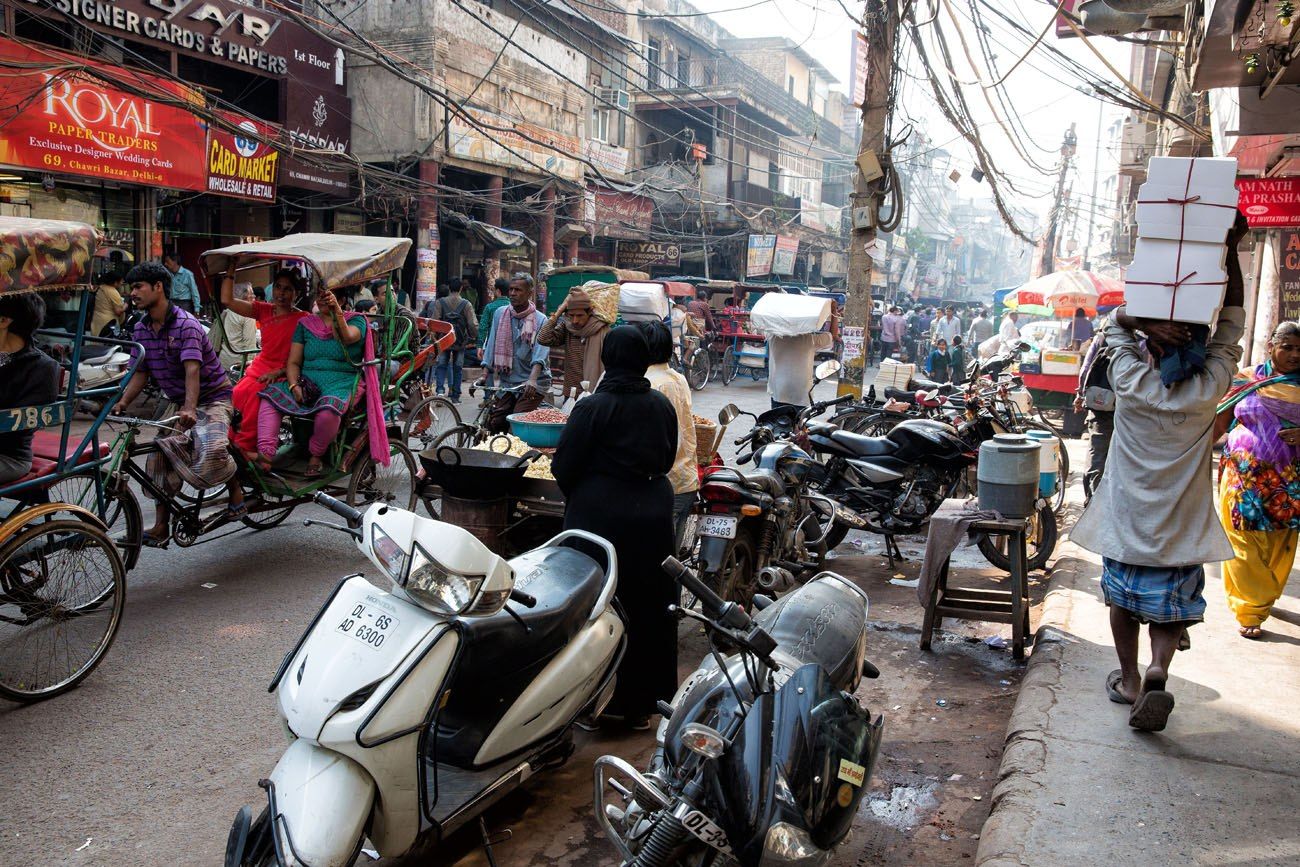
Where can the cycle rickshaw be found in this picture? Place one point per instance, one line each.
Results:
(62, 575)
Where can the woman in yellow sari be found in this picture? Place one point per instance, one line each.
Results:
(1259, 483)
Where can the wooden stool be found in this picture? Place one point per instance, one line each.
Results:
(995, 606)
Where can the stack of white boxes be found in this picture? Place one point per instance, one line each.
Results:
(1184, 212)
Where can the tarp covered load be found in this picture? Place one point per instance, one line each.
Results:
(41, 254)
(778, 314)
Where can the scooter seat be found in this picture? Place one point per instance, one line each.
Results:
(863, 446)
(822, 622)
(500, 657)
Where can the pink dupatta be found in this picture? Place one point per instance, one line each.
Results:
(375, 425)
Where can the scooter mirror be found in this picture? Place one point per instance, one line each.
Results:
(826, 369)
(728, 414)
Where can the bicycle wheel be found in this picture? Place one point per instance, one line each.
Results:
(697, 369)
(394, 484)
(62, 591)
(121, 513)
(728, 365)
(428, 421)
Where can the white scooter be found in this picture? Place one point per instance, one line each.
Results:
(410, 712)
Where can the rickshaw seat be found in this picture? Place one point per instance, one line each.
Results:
(45, 444)
(40, 467)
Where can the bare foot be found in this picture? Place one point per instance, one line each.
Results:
(1254, 633)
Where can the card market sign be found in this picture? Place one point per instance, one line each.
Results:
(241, 165)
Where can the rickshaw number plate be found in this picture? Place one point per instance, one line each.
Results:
(718, 526)
(371, 626)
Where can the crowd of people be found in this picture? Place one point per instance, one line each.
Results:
(939, 342)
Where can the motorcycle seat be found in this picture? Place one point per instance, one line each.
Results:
(765, 481)
(863, 446)
(500, 657)
(822, 622)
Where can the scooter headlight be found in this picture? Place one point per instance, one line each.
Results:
(438, 588)
(790, 846)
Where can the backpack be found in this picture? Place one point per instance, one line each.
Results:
(456, 319)
(1097, 393)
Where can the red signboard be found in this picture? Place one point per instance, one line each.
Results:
(1063, 29)
(241, 165)
(623, 215)
(67, 120)
(1270, 202)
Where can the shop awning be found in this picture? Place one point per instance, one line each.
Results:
(493, 237)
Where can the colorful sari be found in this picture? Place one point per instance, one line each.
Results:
(1259, 490)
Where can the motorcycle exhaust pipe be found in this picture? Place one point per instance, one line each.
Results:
(774, 578)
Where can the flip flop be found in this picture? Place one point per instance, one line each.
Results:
(1151, 711)
(314, 472)
(1112, 687)
(234, 513)
(149, 540)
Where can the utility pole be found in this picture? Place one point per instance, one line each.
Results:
(1049, 245)
(882, 29)
(1092, 205)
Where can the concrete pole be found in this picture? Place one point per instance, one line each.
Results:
(575, 213)
(546, 237)
(855, 330)
(1269, 299)
(1251, 298)
(492, 211)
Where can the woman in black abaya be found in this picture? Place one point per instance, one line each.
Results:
(612, 464)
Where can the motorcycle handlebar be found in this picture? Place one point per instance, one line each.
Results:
(343, 510)
(727, 613)
(525, 599)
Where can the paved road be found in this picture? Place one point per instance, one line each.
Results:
(147, 761)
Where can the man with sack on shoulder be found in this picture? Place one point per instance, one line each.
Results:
(459, 314)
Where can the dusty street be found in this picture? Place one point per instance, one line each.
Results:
(147, 761)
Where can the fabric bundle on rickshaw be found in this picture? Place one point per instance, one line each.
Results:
(779, 314)
(199, 455)
(40, 254)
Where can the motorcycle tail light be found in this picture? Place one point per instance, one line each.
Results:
(720, 494)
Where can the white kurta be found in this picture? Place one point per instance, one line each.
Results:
(1155, 505)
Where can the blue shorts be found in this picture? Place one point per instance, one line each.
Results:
(1155, 594)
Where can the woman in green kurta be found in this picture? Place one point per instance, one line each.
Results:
(321, 380)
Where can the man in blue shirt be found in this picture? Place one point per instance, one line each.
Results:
(184, 291)
(513, 356)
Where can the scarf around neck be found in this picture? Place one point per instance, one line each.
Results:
(503, 344)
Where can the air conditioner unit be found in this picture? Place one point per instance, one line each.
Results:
(606, 95)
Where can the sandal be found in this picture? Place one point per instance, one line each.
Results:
(235, 512)
(314, 470)
(1112, 687)
(1253, 633)
(1152, 709)
(149, 540)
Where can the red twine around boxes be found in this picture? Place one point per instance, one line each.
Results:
(1187, 199)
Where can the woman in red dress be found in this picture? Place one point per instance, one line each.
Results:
(276, 321)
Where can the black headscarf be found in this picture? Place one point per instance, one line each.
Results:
(626, 355)
(659, 340)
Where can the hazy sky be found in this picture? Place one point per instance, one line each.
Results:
(1045, 106)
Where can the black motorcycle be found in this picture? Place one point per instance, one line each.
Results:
(764, 754)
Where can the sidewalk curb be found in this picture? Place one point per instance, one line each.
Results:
(1011, 813)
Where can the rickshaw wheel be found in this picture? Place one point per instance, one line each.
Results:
(697, 369)
(121, 513)
(52, 601)
(728, 365)
(394, 484)
(269, 518)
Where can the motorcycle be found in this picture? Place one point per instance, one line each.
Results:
(763, 755)
(410, 711)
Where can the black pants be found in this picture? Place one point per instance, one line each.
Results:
(1100, 430)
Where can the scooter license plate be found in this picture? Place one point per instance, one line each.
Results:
(718, 526)
(702, 826)
(369, 625)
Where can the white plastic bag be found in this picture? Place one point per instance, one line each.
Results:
(780, 314)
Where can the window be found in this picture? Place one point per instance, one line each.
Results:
(652, 52)
(601, 122)
(773, 176)
(684, 69)
(789, 84)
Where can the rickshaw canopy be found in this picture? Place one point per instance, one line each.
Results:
(337, 260)
(45, 254)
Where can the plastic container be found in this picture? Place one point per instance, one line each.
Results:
(538, 434)
(1048, 461)
(1008, 474)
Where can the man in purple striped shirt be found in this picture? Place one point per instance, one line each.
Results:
(180, 359)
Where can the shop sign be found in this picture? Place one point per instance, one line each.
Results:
(642, 254)
(349, 223)
(783, 257)
(622, 215)
(319, 120)
(758, 260)
(1270, 202)
(243, 166)
(608, 158)
(73, 123)
(834, 264)
(511, 149)
(1289, 277)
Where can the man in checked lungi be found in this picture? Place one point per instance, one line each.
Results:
(1152, 519)
(182, 363)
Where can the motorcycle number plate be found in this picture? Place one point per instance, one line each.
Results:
(368, 624)
(702, 826)
(718, 526)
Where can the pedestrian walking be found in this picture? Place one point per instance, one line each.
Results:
(612, 464)
(582, 335)
(1259, 484)
(685, 475)
(957, 361)
(457, 312)
(501, 289)
(981, 329)
(893, 331)
(1009, 331)
(513, 355)
(1152, 518)
(936, 363)
(1094, 396)
(946, 327)
(184, 291)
